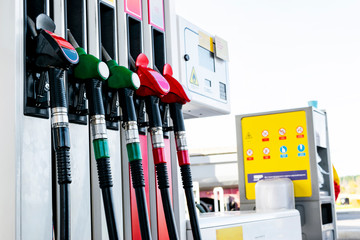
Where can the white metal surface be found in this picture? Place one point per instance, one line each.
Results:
(277, 225)
(202, 83)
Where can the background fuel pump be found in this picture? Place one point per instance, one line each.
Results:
(176, 98)
(92, 71)
(54, 55)
(153, 86)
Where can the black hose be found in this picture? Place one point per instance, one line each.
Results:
(109, 213)
(61, 146)
(188, 187)
(105, 182)
(138, 182)
(65, 232)
(163, 184)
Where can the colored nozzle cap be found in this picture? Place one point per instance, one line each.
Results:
(152, 82)
(121, 77)
(90, 67)
(177, 93)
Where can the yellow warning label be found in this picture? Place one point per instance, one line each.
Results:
(206, 41)
(233, 233)
(276, 145)
(193, 78)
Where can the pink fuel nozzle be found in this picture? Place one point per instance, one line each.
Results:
(152, 82)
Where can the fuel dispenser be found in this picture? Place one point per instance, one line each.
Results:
(92, 71)
(125, 82)
(176, 98)
(153, 87)
(72, 15)
(52, 56)
(130, 19)
(156, 49)
(102, 31)
(290, 144)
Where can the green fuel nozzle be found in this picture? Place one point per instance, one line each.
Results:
(89, 66)
(120, 76)
(126, 82)
(93, 71)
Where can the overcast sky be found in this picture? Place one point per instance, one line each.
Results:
(284, 53)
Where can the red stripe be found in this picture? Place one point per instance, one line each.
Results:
(159, 155)
(183, 157)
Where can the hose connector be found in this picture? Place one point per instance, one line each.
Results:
(98, 127)
(59, 117)
(131, 132)
(181, 143)
(157, 137)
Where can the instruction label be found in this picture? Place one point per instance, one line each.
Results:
(289, 156)
(293, 175)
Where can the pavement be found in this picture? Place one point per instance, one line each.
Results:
(348, 224)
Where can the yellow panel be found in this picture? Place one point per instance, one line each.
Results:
(276, 145)
(206, 41)
(233, 233)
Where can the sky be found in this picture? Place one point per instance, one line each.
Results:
(284, 53)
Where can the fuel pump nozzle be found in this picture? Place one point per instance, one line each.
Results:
(153, 87)
(176, 98)
(52, 56)
(126, 82)
(91, 71)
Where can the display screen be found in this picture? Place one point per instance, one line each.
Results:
(206, 58)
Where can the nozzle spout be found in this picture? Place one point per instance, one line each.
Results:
(72, 39)
(105, 54)
(32, 27)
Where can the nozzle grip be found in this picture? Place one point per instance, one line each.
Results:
(94, 95)
(127, 104)
(177, 116)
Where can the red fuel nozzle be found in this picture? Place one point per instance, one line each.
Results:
(177, 93)
(152, 82)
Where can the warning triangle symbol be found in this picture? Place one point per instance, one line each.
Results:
(193, 78)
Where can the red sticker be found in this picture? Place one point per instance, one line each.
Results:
(299, 129)
(266, 157)
(249, 152)
(265, 139)
(282, 138)
(300, 136)
(266, 151)
(250, 158)
(265, 133)
(282, 131)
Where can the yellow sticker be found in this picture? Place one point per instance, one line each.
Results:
(275, 146)
(193, 78)
(233, 233)
(206, 41)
